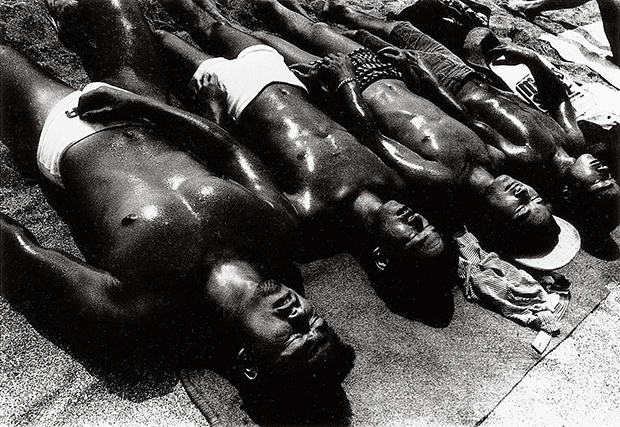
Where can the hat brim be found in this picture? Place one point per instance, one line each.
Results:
(569, 243)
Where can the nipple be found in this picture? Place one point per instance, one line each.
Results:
(129, 219)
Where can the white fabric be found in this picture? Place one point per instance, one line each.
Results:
(574, 46)
(62, 129)
(506, 289)
(246, 76)
(593, 102)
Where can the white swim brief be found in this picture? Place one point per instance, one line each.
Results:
(245, 76)
(63, 128)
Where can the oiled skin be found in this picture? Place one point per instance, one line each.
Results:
(150, 218)
(320, 165)
(420, 125)
(182, 210)
(400, 114)
(146, 214)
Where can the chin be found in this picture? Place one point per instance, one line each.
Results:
(431, 247)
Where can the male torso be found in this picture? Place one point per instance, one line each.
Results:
(421, 126)
(318, 163)
(518, 122)
(148, 212)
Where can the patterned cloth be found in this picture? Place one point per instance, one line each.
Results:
(502, 287)
(369, 68)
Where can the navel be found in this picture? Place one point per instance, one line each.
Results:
(129, 219)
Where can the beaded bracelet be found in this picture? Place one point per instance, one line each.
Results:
(344, 82)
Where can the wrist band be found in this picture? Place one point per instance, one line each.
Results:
(344, 82)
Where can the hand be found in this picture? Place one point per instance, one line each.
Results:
(210, 96)
(208, 89)
(335, 68)
(395, 55)
(107, 103)
(417, 73)
(308, 74)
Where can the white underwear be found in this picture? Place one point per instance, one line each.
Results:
(246, 76)
(62, 129)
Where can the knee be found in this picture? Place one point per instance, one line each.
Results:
(319, 28)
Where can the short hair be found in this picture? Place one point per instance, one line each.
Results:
(513, 238)
(301, 390)
(593, 212)
(419, 290)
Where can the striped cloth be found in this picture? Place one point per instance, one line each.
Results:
(511, 292)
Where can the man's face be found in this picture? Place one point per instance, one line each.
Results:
(590, 175)
(283, 324)
(405, 235)
(513, 201)
(275, 321)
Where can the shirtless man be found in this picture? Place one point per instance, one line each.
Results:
(343, 193)
(509, 215)
(547, 150)
(180, 253)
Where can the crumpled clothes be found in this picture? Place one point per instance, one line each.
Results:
(507, 290)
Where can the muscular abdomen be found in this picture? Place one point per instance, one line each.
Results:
(424, 128)
(145, 206)
(314, 159)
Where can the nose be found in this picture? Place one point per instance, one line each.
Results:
(521, 193)
(603, 169)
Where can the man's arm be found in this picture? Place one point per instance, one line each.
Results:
(422, 81)
(208, 141)
(411, 166)
(552, 92)
(418, 76)
(58, 292)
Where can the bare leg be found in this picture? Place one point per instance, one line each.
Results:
(533, 7)
(295, 6)
(319, 38)
(114, 42)
(338, 11)
(291, 53)
(28, 94)
(213, 36)
(610, 12)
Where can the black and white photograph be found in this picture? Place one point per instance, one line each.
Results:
(319, 213)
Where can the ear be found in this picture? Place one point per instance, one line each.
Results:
(247, 364)
(380, 260)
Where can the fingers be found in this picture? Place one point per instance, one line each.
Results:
(389, 50)
(302, 67)
(216, 82)
(91, 101)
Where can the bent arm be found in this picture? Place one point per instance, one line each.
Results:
(205, 139)
(57, 292)
(419, 78)
(552, 92)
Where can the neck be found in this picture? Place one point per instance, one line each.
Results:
(479, 180)
(562, 161)
(366, 208)
(230, 282)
